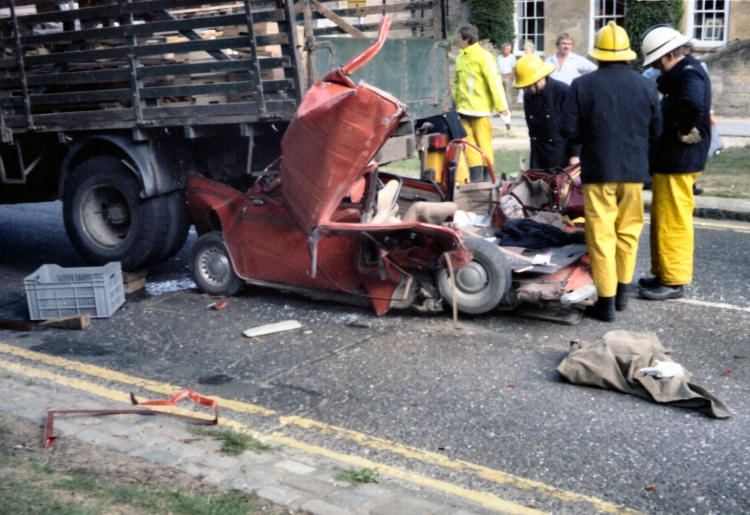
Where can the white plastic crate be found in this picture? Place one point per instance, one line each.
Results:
(53, 291)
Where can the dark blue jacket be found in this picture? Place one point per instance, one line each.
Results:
(614, 114)
(544, 112)
(686, 104)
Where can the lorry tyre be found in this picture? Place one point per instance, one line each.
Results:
(105, 217)
(178, 226)
(482, 283)
(210, 266)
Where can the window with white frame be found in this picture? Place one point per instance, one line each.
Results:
(529, 24)
(707, 21)
(605, 11)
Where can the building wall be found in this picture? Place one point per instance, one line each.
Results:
(730, 75)
(739, 20)
(571, 17)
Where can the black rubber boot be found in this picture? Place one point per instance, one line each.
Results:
(651, 281)
(663, 292)
(621, 299)
(603, 309)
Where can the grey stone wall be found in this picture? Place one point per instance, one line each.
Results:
(729, 68)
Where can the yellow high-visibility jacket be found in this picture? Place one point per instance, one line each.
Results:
(477, 90)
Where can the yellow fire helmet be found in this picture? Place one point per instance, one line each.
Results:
(611, 43)
(529, 69)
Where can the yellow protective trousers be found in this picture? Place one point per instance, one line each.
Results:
(614, 219)
(479, 132)
(672, 227)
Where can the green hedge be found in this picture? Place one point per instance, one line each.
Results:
(494, 19)
(640, 16)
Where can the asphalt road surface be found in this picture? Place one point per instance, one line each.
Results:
(408, 390)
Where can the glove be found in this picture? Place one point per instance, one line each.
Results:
(505, 118)
(691, 137)
(664, 370)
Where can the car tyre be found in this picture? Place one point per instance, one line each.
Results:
(211, 268)
(482, 283)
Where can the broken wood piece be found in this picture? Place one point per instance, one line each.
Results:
(133, 281)
(15, 325)
(276, 327)
(71, 322)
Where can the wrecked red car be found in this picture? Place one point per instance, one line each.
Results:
(331, 224)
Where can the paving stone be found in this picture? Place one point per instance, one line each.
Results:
(124, 445)
(279, 494)
(157, 456)
(183, 450)
(117, 428)
(65, 427)
(25, 412)
(318, 507)
(239, 482)
(256, 458)
(295, 466)
(347, 498)
(93, 436)
(376, 491)
(306, 484)
(154, 440)
(407, 505)
(220, 462)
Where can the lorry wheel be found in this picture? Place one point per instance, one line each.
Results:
(211, 267)
(105, 217)
(178, 227)
(482, 283)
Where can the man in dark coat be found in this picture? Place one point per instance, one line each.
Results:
(679, 158)
(614, 113)
(544, 98)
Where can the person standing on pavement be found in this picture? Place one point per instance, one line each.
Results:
(568, 65)
(506, 63)
(543, 107)
(477, 93)
(679, 158)
(614, 114)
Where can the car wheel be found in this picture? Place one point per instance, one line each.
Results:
(105, 217)
(482, 283)
(211, 267)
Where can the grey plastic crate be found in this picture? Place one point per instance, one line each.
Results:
(53, 291)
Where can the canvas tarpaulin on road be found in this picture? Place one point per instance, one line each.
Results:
(616, 363)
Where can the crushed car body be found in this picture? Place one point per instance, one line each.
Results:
(332, 225)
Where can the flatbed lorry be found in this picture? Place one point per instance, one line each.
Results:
(109, 105)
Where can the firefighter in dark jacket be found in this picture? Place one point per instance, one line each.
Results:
(679, 158)
(543, 101)
(614, 113)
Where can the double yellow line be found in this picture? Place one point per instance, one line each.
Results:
(484, 499)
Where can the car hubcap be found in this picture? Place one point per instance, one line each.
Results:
(215, 266)
(472, 278)
(105, 216)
